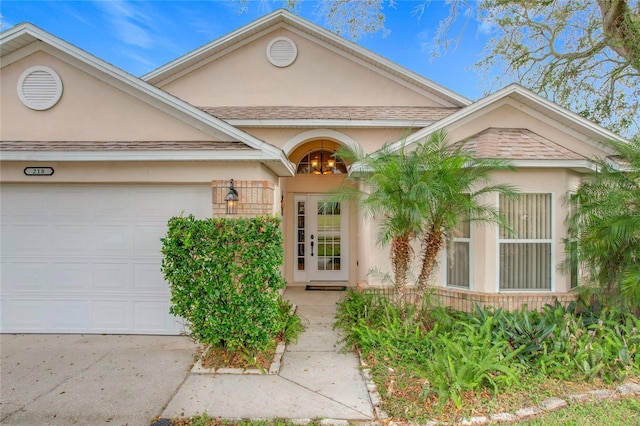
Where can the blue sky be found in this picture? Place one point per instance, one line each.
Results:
(139, 36)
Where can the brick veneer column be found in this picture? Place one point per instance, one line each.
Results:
(255, 198)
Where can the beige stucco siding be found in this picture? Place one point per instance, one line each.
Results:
(319, 76)
(89, 110)
(369, 140)
(485, 250)
(136, 172)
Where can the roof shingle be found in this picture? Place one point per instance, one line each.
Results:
(120, 146)
(517, 144)
(329, 112)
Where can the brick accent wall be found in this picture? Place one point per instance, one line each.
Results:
(255, 198)
(462, 300)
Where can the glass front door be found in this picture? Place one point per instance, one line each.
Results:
(321, 239)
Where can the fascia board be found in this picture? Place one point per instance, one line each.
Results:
(581, 166)
(554, 164)
(301, 123)
(186, 155)
(279, 165)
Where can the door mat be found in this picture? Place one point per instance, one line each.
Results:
(326, 287)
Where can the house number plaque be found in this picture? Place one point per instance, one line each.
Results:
(38, 171)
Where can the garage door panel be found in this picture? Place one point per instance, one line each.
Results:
(70, 203)
(71, 277)
(28, 204)
(110, 239)
(113, 206)
(24, 315)
(87, 258)
(69, 315)
(18, 276)
(147, 241)
(114, 315)
(147, 277)
(152, 205)
(26, 239)
(112, 277)
(185, 198)
(152, 316)
(70, 239)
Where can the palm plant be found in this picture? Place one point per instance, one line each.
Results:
(457, 182)
(604, 226)
(389, 184)
(422, 195)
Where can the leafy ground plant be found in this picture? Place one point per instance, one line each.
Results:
(450, 365)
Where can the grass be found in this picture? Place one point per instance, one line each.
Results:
(621, 412)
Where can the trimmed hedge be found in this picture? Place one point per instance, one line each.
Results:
(225, 277)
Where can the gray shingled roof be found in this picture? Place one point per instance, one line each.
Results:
(517, 144)
(329, 112)
(120, 146)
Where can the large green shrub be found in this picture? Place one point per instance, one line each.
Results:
(225, 279)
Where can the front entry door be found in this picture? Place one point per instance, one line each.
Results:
(322, 239)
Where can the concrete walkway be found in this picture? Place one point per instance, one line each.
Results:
(316, 380)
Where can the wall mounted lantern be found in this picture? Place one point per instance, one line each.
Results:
(231, 199)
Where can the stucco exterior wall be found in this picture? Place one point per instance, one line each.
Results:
(136, 172)
(485, 250)
(89, 110)
(369, 140)
(246, 77)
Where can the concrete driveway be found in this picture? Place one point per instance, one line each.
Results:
(90, 379)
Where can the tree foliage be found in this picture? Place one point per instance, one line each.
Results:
(584, 55)
(604, 227)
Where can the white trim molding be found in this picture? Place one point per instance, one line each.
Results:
(309, 135)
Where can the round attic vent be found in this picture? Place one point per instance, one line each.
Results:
(282, 51)
(39, 88)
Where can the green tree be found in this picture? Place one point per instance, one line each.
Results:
(421, 194)
(604, 226)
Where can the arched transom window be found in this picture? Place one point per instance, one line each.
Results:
(321, 162)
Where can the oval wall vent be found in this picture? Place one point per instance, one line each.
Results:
(282, 51)
(39, 88)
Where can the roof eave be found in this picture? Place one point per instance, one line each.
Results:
(595, 134)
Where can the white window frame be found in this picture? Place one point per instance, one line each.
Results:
(550, 241)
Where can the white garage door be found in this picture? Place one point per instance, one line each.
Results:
(86, 258)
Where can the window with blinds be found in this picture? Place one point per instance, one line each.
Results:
(525, 253)
(459, 257)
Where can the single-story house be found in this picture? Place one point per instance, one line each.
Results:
(95, 160)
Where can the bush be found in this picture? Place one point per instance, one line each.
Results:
(225, 279)
(452, 353)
